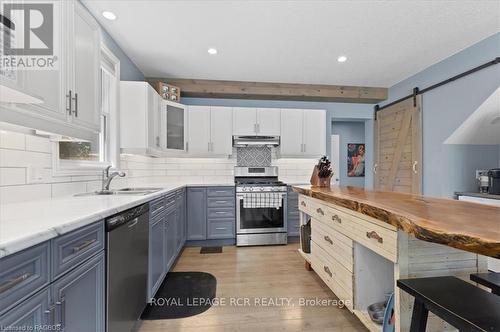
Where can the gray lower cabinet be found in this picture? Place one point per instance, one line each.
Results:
(79, 297)
(75, 301)
(196, 213)
(293, 215)
(211, 213)
(170, 237)
(157, 260)
(33, 312)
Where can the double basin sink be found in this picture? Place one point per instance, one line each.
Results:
(123, 191)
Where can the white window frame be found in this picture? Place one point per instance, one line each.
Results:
(111, 64)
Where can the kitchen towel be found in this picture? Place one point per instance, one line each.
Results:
(262, 200)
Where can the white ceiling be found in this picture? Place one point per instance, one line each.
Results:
(482, 126)
(295, 41)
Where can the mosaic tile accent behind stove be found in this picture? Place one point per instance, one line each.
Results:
(253, 156)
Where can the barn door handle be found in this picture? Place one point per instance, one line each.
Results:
(327, 270)
(336, 218)
(327, 239)
(414, 167)
(320, 211)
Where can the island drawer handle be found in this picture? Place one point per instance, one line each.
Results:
(375, 236)
(327, 239)
(303, 203)
(327, 270)
(221, 212)
(320, 211)
(336, 218)
(83, 245)
(13, 282)
(221, 228)
(221, 202)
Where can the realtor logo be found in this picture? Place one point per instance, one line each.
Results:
(33, 30)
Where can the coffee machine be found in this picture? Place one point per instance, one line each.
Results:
(482, 180)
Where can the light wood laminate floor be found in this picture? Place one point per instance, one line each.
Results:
(259, 272)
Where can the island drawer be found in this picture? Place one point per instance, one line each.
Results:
(22, 274)
(220, 202)
(220, 192)
(382, 240)
(336, 277)
(337, 245)
(216, 213)
(73, 248)
(220, 228)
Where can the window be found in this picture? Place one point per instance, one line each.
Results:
(73, 156)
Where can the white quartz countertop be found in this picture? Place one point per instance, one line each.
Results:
(25, 224)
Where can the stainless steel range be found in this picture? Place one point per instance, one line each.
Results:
(260, 206)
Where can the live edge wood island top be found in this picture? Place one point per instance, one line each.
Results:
(463, 225)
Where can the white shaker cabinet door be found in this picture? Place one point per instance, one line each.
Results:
(291, 132)
(85, 54)
(314, 133)
(199, 130)
(244, 121)
(221, 120)
(268, 121)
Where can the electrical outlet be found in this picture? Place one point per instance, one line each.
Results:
(34, 175)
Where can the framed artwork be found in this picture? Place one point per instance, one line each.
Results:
(356, 159)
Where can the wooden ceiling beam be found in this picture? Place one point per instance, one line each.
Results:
(275, 91)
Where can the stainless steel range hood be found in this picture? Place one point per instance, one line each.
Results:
(245, 141)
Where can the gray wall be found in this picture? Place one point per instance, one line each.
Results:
(128, 70)
(450, 168)
(349, 132)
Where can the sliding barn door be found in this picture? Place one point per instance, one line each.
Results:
(398, 153)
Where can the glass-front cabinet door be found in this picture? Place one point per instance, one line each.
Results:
(175, 126)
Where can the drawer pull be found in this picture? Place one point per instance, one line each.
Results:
(320, 211)
(327, 270)
(13, 282)
(303, 203)
(221, 212)
(220, 202)
(327, 239)
(220, 228)
(336, 218)
(375, 236)
(83, 245)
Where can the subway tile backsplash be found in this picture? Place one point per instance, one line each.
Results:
(21, 152)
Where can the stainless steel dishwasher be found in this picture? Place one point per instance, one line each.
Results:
(127, 268)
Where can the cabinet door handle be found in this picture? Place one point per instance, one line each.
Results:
(68, 104)
(187, 146)
(50, 312)
(375, 236)
(414, 167)
(208, 146)
(327, 239)
(13, 282)
(303, 203)
(258, 127)
(320, 211)
(157, 140)
(76, 104)
(327, 270)
(337, 218)
(83, 245)
(304, 147)
(375, 168)
(62, 313)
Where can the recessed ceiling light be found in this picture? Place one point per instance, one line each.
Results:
(212, 51)
(109, 15)
(342, 58)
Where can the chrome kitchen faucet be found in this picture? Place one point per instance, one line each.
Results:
(107, 177)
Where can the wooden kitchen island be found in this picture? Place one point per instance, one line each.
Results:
(363, 241)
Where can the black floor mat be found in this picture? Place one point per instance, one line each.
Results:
(179, 296)
(211, 250)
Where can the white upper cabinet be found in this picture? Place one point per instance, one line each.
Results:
(139, 118)
(291, 132)
(176, 120)
(268, 121)
(303, 133)
(199, 130)
(85, 48)
(249, 121)
(244, 121)
(221, 119)
(70, 92)
(210, 129)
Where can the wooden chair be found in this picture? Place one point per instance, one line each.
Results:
(463, 305)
